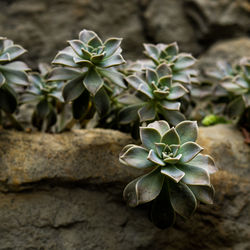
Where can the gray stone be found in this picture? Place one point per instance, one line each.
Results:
(64, 191)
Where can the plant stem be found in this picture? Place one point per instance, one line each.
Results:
(69, 125)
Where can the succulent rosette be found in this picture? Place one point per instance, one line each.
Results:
(156, 96)
(46, 95)
(12, 73)
(180, 63)
(238, 86)
(178, 174)
(88, 67)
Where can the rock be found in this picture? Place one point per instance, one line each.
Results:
(43, 27)
(64, 191)
(218, 20)
(166, 22)
(231, 51)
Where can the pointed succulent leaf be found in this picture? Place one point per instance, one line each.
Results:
(80, 105)
(163, 70)
(168, 105)
(134, 81)
(130, 193)
(241, 82)
(203, 161)
(14, 76)
(204, 194)
(187, 131)
(14, 51)
(77, 46)
(151, 76)
(231, 87)
(147, 113)
(113, 76)
(65, 60)
(129, 114)
(152, 51)
(236, 107)
(8, 99)
(166, 81)
(136, 157)
(112, 61)
(92, 81)
(159, 148)
(83, 62)
(18, 66)
(145, 89)
(111, 46)
(152, 156)
(173, 160)
(162, 214)
(176, 92)
(184, 61)
(171, 137)
(161, 126)
(4, 57)
(149, 186)
(173, 172)
(181, 77)
(2, 79)
(73, 89)
(63, 74)
(172, 116)
(182, 199)
(102, 103)
(149, 136)
(95, 41)
(194, 175)
(172, 49)
(97, 58)
(43, 109)
(189, 150)
(86, 35)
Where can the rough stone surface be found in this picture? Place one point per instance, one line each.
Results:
(44, 26)
(65, 192)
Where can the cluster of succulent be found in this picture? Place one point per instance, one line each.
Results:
(90, 78)
(177, 173)
(12, 75)
(228, 93)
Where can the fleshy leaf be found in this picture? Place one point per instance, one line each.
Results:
(184, 61)
(134, 81)
(172, 116)
(111, 45)
(204, 194)
(149, 186)
(163, 70)
(151, 76)
(129, 114)
(149, 136)
(161, 126)
(112, 61)
(147, 113)
(182, 199)
(2, 79)
(236, 107)
(171, 137)
(130, 195)
(172, 172)
(102, 102)
(189, 150)
(177, 91)
(187, 131)
(194, 175)
(168, 105)
(77, 46)
(181, 77)
(136, 157)
(173, 160)
(63, 74)
(14, 51)
(65, 60)
(73, 89)
(80, 105)
(92, 81)
(14, 76)
(203, 161)
(152, 156)
(144, 89)
(8, 99)
(86, 35)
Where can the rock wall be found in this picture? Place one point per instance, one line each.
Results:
(64, 191)
(44, 26)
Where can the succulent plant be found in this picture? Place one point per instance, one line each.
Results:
(11, 73)
(180, 63)
(156, 96)
(238, 86)
(46, 95)
(88, 67)
(178, 174)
